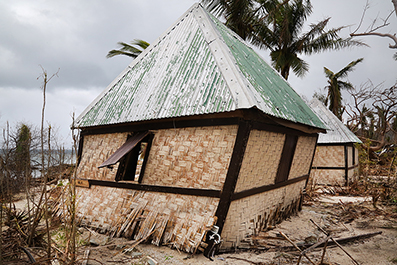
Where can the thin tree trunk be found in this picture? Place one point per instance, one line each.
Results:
(45, 184)
(40, 208)
(72, 194)
(28, 175)
(43, 175)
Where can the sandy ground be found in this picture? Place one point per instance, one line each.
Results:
(342, 216)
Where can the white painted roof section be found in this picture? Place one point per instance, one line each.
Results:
(337, 132)
(197, 66)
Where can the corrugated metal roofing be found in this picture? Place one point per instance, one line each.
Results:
(198, 66)
(337, 132)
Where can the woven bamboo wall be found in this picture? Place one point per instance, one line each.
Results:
(333, 156)
(169, 218)
(183, 157)
(329, 156)
(191, 157)
(303, 156)
(255, 213)
(249, 215)
(334, 177)
(96, 149)
(352, 173)
(261, 159)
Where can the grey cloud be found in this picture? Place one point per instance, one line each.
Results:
(75, 36)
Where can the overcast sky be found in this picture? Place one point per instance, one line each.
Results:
(74, 36)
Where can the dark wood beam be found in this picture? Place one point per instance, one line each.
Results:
(80, 149)
(257, 190)
(232, 173)
(156, 125)
(311, 163)
(154, 188)
(278, 129)
(287, 156)
(335, 144)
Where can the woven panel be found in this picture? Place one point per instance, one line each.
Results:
(261, 159)
(350, 156)
(96, 149)
(335, 177)
(255, 213)
(180, 220)
(329, 156)
(190, 157)
(303, 157)
(333, 156)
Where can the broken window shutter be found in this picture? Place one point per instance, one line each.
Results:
(124, 149)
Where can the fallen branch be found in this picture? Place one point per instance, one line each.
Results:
(31, 258)
(322, 230)
(310, 247)
(246, 260)
(316, 245)
(324, 249)
(302, 254)
(86, 257)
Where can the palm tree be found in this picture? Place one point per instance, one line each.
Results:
(243, 16)
(129, 49)
(283, 36)
(335, 85)
(240, 16)
(277, 25)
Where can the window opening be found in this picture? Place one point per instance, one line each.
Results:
(132, 165)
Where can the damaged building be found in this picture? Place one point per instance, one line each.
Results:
(336, 160)
(197, 131)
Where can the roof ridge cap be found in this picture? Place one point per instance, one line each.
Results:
(222, 55)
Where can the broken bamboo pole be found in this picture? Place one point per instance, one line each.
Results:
(324, 249)
(322, 230)
(316, 245)
(304, 254)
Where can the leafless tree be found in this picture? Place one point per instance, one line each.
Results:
(372, 113)
(374, 29)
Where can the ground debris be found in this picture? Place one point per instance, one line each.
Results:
(367, 232)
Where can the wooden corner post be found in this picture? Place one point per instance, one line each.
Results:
(244, 128)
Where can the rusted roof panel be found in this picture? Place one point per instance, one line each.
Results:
(198, 66)
(337, 132)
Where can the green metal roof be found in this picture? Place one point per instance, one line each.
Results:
(198, 66)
